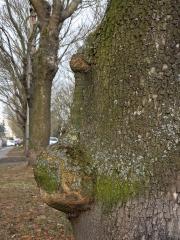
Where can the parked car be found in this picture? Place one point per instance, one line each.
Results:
(53, 140)
(10, 142)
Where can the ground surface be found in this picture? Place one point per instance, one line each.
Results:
(4, 151)
(23, 216)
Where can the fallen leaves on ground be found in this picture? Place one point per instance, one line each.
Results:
(23, 216)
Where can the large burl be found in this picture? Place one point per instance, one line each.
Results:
(64, 177)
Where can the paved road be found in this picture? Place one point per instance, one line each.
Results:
(4, 151)
(5, 159)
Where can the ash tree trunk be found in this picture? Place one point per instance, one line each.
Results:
(50, 18)
(44, 69)
(117, 173)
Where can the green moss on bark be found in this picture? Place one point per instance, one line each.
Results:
(110, 190)
(46, 176)
(123, 114)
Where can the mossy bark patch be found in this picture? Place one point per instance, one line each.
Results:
(46, 176)
(63, 175)
(110, 190)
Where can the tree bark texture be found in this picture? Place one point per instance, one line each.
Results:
(127, 112)
(126, 115)
(44, 68)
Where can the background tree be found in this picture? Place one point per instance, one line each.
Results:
(116, 173)
(13, 122)
(60, 108)
(13, 58)
(50, 20)
(19, 41)
(2, 130)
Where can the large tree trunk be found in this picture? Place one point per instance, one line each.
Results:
(125, 115)
(127, 111)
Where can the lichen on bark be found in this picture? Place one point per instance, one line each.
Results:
(126, 115)
(127, 112)
(64, 175)
(120, 106)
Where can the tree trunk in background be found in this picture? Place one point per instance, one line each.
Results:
(126, 109)
(49, 17)
(44, 68)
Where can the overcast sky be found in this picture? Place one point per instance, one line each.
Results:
(85, 17)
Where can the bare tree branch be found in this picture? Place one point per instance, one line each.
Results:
(57, 9)
(22, 40)
(70, 9)
(42, 8)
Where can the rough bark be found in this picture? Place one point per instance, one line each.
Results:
(127, 112)
(50, 18)
(44, 68)
(126, 120)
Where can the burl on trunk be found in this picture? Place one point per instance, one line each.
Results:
(116, 173)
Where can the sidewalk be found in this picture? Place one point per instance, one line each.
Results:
(11, 155)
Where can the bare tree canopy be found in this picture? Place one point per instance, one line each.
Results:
(24, 27)
(13, 50)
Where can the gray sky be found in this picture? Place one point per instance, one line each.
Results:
(85, 18)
